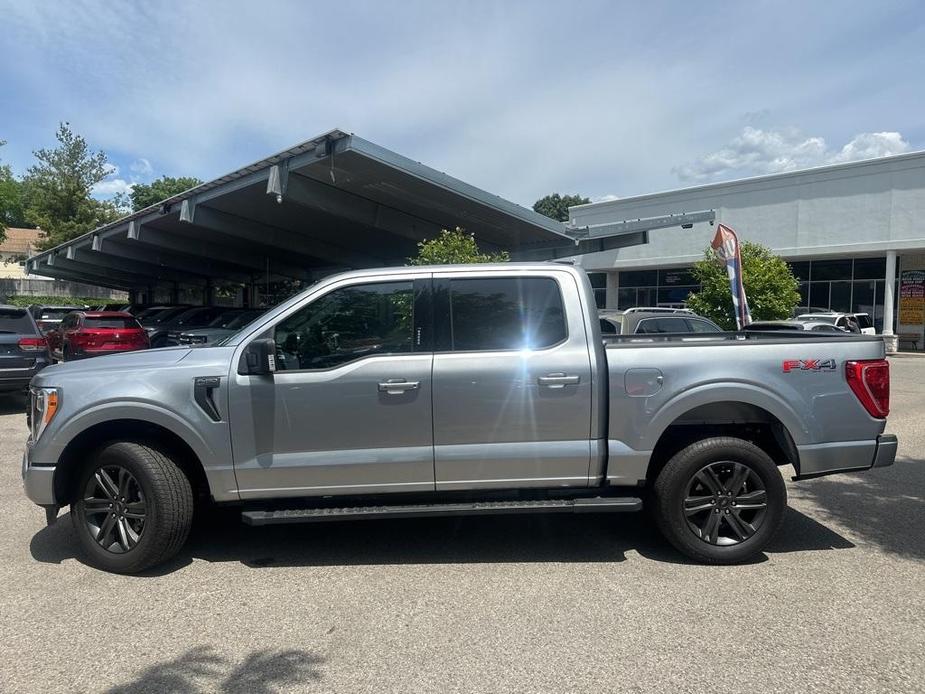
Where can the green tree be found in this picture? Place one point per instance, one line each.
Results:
(147, 194)
(454, 247)
(556, 206)
(11, 206)
(770, 287)
(57, 189)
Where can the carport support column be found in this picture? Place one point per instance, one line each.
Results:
(611, 298)
(889, 289)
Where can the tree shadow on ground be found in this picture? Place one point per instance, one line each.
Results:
(202, 670)
(220, 536)
(884, 507)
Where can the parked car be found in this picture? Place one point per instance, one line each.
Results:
(226, 324)
(454, 390)
(647, 321)
(802, 310)
(23, 349)
(49, 317)
(842, 321)
(154, 315)
(167, 332)
(865, 323)
(813, 326)
(93, 333)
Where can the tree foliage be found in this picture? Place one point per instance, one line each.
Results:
(452, 248)
(770, 287)
(57, 189)
(11, 207)
(556, 206)
(147, 194)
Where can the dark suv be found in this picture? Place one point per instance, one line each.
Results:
(23, 349)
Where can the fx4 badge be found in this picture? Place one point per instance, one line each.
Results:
(809, 365)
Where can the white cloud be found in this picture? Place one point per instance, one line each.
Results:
(756, 152)
(112, 186)
(141, 167)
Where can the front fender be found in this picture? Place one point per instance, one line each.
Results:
(49, 451)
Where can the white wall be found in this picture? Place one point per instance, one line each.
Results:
(848, 209)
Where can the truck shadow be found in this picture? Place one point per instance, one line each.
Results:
(13, 403)
(883, 507)
(201, 669)
(219, 536)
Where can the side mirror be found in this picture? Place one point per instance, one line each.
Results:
(258, 358)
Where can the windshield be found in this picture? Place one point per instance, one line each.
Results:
(13, 321)
(110, 322)
(165, 315)
(55, 313)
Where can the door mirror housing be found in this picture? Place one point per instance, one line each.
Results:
(258, 358)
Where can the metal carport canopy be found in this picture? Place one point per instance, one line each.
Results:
(331, 203)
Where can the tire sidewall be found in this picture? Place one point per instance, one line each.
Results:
(107, 455)
(683, 466)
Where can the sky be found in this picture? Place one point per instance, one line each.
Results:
(604, 99)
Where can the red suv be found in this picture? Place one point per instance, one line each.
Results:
(92, 333)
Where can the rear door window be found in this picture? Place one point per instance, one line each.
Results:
(864, 321)
(702, 326)
(662, 325)
(17, 322)
(505, 313)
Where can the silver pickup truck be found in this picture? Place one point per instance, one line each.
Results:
(451, 390)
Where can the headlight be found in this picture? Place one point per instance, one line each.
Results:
(43, 407)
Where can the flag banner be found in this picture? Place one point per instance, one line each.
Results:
(726, 246)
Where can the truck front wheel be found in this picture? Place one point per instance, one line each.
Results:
(133, 508)
(720, 500)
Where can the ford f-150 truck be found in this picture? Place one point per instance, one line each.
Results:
(451, 390)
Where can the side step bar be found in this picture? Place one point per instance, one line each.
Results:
(480, 508)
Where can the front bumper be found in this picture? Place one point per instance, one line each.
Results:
(38, 480)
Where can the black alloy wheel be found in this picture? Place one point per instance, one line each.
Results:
(726, 503)
(114, 509)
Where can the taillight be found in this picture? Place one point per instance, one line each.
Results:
(870, 382)
(32, 344)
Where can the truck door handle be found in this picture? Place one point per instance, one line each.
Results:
(396, 386)
(558, 380)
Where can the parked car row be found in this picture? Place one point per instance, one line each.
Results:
(34, 337)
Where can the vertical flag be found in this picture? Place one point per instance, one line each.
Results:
(726, 246)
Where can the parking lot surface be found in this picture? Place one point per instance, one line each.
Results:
(584, 603)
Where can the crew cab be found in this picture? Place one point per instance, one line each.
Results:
(451, 390)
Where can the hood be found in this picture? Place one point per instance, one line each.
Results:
(143, 359)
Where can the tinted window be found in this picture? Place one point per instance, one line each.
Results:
(69, 321)
(53, 313)
(702, 326)
(869, 268)
(110, 322)
(198, 317)
(638, 278)
(662, 325)
(607, 327)
(16, 322)
(831, 270)
(864, 321)
(506, 313)
(347, 324)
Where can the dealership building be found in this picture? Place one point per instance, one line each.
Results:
(853, 233)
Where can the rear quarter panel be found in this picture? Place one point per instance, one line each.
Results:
(816, 406)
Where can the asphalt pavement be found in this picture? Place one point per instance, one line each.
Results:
(526, 604)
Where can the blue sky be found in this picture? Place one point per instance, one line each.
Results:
(520, 98)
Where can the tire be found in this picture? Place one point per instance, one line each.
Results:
(152, 503)
(725, 478)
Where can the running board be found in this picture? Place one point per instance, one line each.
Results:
(482, 508)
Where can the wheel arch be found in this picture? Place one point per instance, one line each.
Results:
(736, 418)
(140, 431)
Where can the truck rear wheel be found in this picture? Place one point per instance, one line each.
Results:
(720, 500)
(133, 508)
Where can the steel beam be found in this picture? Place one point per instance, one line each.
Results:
(230, 251)
(264, 234)
(93, 271)
(60, 273)
(208, 268)
(341, 203)
(119, 264)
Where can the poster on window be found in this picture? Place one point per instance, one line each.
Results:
(912, 298)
